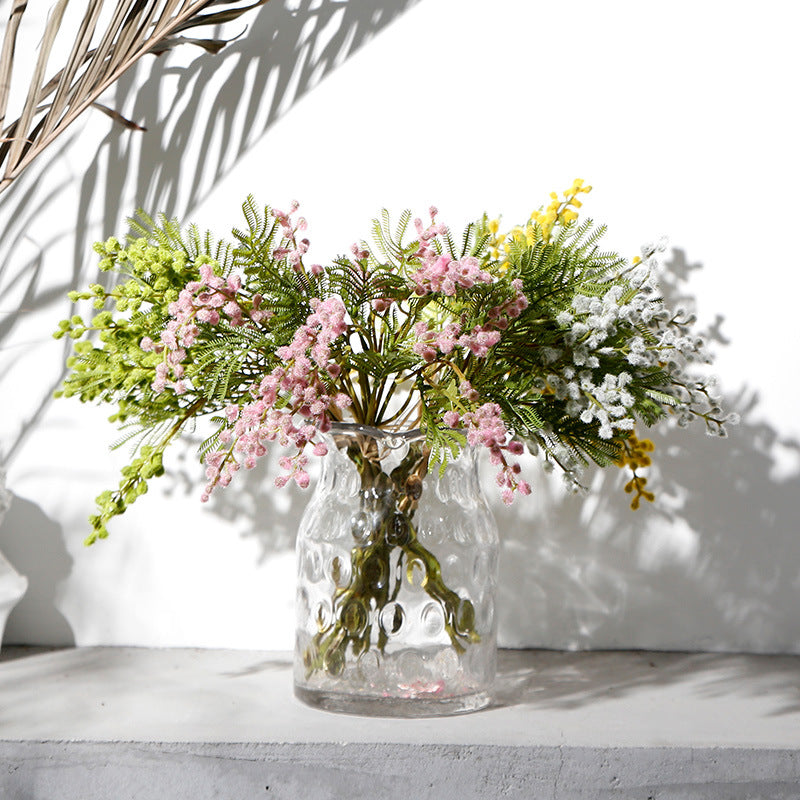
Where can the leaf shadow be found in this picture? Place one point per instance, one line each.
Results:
(289, 47)
(251, 505)
(549, 679)
(711, 565)
(220, 107)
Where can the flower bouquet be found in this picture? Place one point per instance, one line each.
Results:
(530, 339)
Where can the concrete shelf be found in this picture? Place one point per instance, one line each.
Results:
(119, 723)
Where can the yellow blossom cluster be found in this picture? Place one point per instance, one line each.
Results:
(634, 455)
(559, 211)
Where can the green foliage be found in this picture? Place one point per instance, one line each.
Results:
(566, 345)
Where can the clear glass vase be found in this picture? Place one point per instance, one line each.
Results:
(397, 571)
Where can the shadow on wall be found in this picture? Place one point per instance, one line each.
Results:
(252, 506)
(223, 105)
(698, 569)
(700, 566)
(287, 50)
(708, 566)
(34, 544)
(220, 105)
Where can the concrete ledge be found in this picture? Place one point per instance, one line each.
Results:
(84, 771)
(134, 723)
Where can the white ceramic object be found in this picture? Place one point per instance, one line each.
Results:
(12, 584)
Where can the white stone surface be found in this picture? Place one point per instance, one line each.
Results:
(542, 699)
(196, 724)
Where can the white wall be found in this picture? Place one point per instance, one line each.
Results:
(681, 115)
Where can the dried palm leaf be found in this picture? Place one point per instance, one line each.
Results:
(135, 28)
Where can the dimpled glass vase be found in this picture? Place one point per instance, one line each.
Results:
(397, 570)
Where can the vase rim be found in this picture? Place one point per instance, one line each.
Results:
(353, 428)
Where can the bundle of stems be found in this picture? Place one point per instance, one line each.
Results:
(386, 551)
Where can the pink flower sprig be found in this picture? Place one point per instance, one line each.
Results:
(322, 327)
(442, 273)
(293, 390)
(208, 300)
(500, 316)
(254, 425)
(427, 236)
(430, 342)
(485, 428)
(479, 340)
(293, 250)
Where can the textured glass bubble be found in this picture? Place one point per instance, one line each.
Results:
(492, 565)
(446, 662)
(323, 615)
(309, 656)
(329, 525)
(430, 533)
(452, 570)
(465, 616)
(480, 569)
(313, 562)
(391, 618)
(339, 571)
(354, 616)
(416, 574)
(302, 603)
(334, 661)
(411, 670)
(486, 614)
(361, 527)
(369, 666)
(375, 572)
(398, 531)
(432, 618)
(460, 534)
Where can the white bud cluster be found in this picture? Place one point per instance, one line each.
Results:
(656, 337)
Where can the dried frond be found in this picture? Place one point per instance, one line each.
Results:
(136, 28)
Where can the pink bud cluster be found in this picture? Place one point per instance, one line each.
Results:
(208, 300)
(359, 252)
(254, 425)
(326, 323)
(477, 341)
(500, 316)
(295, 388)
(427, 235)
(381, 304)
(441, 273)
(293, 250)
(485, 427)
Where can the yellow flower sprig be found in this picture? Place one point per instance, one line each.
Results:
(634, 455)
(496, 239)
(559, 212)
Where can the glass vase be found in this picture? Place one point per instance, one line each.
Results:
(397, 572)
